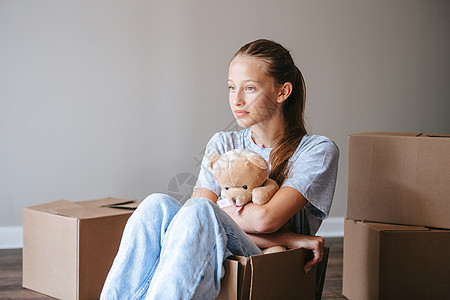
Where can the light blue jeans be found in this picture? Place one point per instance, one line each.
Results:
(169, 251)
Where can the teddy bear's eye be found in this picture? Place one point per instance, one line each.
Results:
(226, 188)
(244, 187)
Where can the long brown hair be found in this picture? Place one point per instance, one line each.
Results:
(281, 67)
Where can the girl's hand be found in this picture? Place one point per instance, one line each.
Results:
(292, 241)
(313, 243)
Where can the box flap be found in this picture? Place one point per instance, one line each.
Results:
(400, 134)
(129, 205)
(281, 276)
(434, 135)
(393, 227)
(380, 133)
(105, 202)
(321, 271)
(88, 209)
(84, 209)
(230, 282)
(82, 212)
(50, 206)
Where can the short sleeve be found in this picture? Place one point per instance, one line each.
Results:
(313, 173)
(206, 178)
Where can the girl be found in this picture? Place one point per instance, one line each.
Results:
(173, 252)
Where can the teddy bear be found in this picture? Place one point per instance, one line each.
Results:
(243, 176)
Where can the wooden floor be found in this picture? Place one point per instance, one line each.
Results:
(11, 274)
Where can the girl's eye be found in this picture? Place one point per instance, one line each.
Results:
(231, 88)
(250, 89)
(244, 187)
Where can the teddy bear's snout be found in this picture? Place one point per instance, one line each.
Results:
(239, 201)
(238, 196)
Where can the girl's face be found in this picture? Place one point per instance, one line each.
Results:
(253, 95)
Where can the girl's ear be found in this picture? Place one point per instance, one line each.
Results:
(284, 92)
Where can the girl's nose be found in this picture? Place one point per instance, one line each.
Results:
(238, 99)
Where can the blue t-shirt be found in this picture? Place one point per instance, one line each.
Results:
(313, 173)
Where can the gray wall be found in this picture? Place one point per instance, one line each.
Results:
(117, 98)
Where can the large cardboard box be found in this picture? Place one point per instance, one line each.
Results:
(385, 261)
(400, 178)
(273, 276)
(69, 247)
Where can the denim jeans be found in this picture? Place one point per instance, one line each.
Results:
(169, 251)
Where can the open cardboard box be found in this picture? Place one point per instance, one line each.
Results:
(385, 261)
(401, 178)
(273, 276)
(69, 247)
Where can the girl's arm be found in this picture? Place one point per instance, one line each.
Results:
(205, 193)
(270, 217)
(267, 218)
(276, 212)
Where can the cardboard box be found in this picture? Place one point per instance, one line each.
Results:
(68, 248)
(399, 178)
(385, 261)
(273, 276)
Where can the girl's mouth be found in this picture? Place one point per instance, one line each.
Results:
(240, 113)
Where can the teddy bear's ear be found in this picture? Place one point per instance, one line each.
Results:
(212, 158)
(257, 160)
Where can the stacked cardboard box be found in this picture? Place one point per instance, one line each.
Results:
(397, 231)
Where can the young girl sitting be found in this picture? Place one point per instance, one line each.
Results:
(169, 251)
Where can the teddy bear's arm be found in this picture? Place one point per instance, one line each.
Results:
(261, 195)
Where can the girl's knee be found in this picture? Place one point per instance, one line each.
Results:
(199, 202)
(157, 202)
(199, 207)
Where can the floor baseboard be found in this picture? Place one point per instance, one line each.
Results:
(11, 237)
(332, 227)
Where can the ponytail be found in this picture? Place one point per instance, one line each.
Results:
(293, 111)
